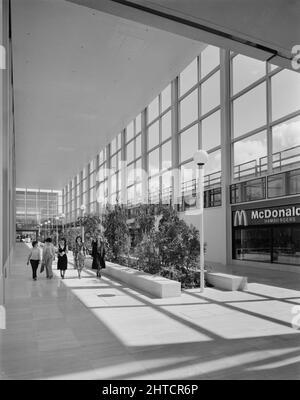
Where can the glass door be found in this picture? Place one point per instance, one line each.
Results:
(286, 245)
(252, 244)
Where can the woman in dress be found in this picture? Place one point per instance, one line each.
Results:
(79, 255)
(98, 254)
(48, 257)
(62, 259)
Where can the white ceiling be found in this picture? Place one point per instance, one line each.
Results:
(80, 76)
(243, 26)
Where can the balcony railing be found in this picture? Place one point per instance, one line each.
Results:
(280, 159)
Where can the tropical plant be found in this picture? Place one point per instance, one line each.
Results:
(70, 235)
(178, 245)
(116, 232)
(91, 223)
(147, 255)
(144, 220)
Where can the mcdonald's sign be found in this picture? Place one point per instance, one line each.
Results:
(240, 218)
(289, 214)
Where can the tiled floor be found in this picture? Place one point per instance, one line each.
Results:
(101, 329)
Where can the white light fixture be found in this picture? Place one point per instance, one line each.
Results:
(200, 157)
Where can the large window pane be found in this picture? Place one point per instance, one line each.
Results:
(249, 111)
(166, 98)
(210, 59)
(138, 146)
(293, 182)
(246, 70)
(138, 123)
(153, 135)
(210, 93)
(166, 126)
(188, 143)
(211, 131)
(286, 245)
(252, 244)
(189, 109)
(285, 93)
(188, 175)
(154, 190)
(188, 77)
(129, 131)
(286, 139)
(276, 185)
(214, 163)
(130, 174)
(287, 183)
(113, 146)
(249, 155)
(154, 162)
(153, 110)
(166, 150)
(130, 152)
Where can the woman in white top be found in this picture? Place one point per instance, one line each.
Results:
(34, 258)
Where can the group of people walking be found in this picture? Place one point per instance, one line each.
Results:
(80, 251)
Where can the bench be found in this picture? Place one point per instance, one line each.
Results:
(155, 285)
(226, 281)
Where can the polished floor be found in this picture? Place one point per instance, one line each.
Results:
(101, 329)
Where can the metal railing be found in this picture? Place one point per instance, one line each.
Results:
(280, 159)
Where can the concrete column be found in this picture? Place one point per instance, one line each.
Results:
(145, 183)
(97, 167)
(108, 165)
(269, 119)
(123, 191)
(88, 199)
(176, 186)
(226, 156)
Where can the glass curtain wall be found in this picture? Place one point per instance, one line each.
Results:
(186, 116)
(265, 118)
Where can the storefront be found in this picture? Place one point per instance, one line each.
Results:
(267, 234)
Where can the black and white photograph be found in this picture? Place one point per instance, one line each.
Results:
(149, 194)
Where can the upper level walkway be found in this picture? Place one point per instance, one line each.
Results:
(101, 329)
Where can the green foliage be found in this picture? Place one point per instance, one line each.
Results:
(147, 254)
(70, 235)
(91, 223)
(116, 232)
(166, 244)
(169, 247)
(178, 245)
(144, 220)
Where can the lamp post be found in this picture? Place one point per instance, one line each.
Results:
(56, 219)
(200, 159)
(49, 229)
(82, 208)
(63, 223)
(45, 230)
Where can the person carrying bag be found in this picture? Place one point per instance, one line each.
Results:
(34, 258)
(98, 254)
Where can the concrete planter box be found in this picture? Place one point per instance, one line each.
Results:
(226, 281)
(155, 285)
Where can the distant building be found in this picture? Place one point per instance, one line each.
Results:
(34, 208)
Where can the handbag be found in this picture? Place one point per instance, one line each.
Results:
(42, 267)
